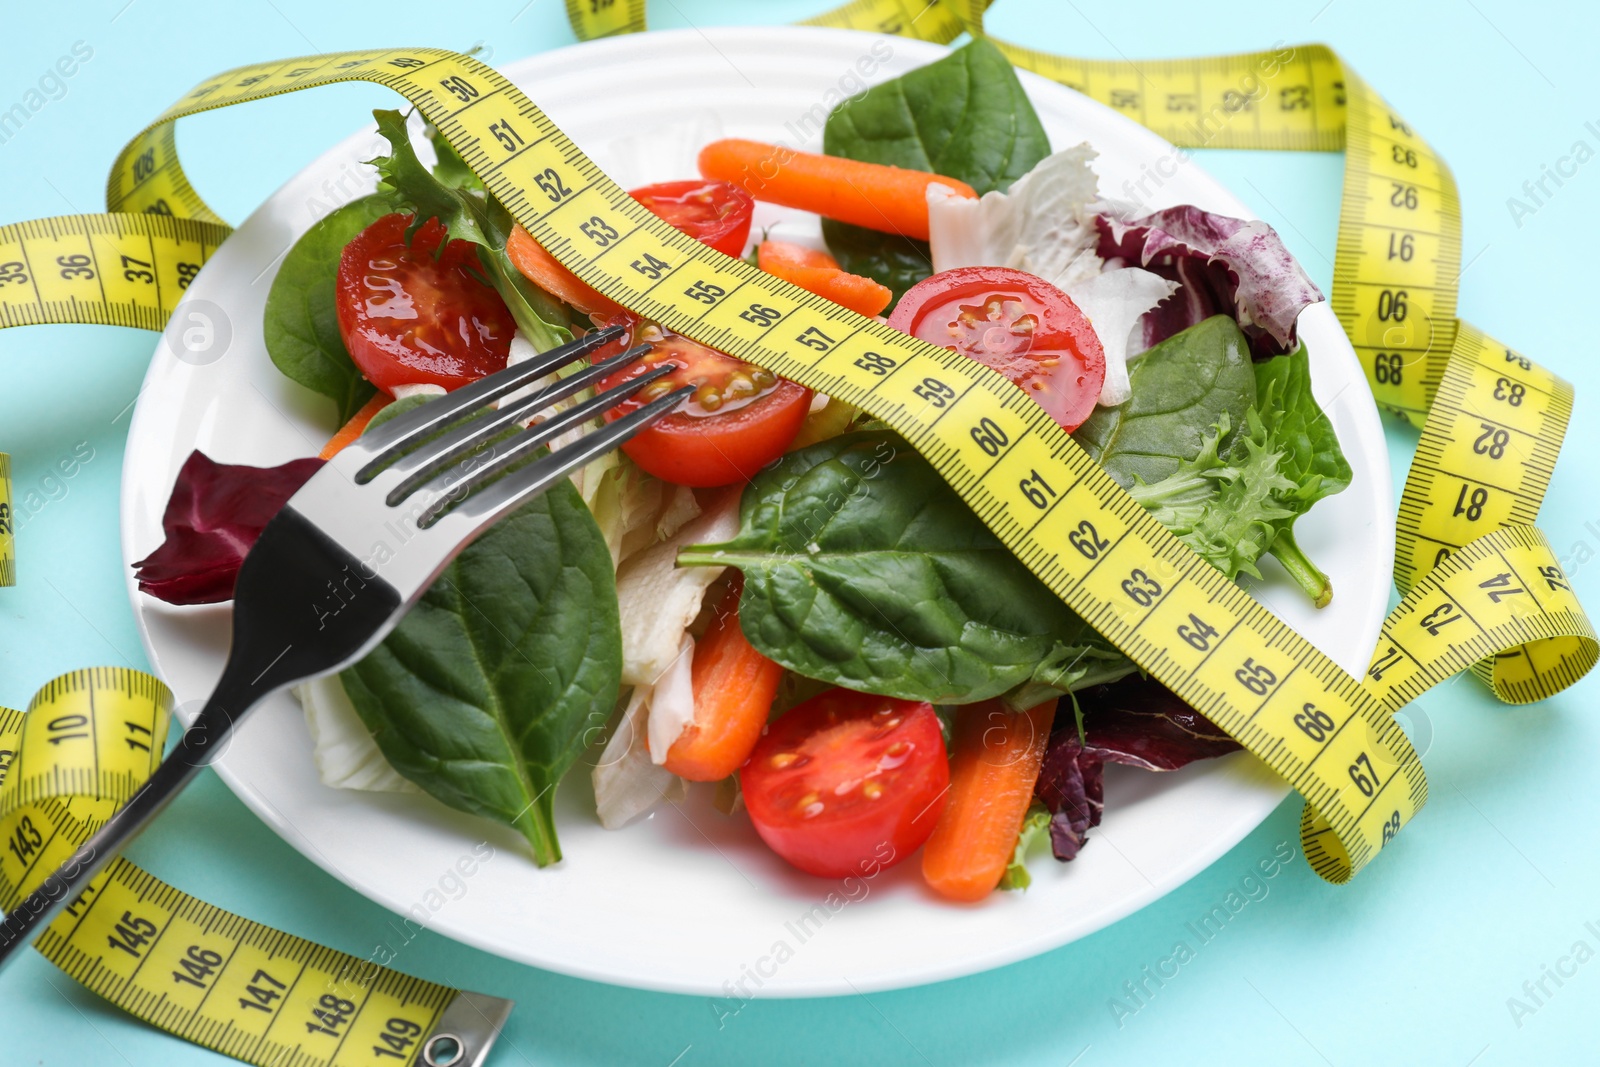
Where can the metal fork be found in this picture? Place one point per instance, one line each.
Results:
(357, 546)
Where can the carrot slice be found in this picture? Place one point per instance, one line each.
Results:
(734, 686)
(997, 758)
(543, 270)
(352, 429)
(817, 272)
(891, 199)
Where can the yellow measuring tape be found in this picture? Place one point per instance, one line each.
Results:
(1483, 588)
(87, 742)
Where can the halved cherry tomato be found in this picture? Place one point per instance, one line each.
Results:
(740, 418)
(712, 212)
(410, 317)
(847, 780)
(1019, 325)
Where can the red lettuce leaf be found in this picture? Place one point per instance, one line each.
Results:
(1136, 721)
(215, 513)
(1224, 266)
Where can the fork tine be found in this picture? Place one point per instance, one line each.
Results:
(404, 430)
(538, 476)
(433, 477)
(462, 478)
(417, 466)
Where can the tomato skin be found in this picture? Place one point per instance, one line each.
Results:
(848, 781)
(715, 213)
(693, 446)
(409, 318)
(947, 310)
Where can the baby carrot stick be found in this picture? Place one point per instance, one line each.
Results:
(817, 272)
(545, 271)
(734, 686)
(891, 199)
(997, 758)
(352, 429)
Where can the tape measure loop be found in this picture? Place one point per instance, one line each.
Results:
(204, 974)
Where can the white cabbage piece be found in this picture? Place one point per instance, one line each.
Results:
(1113, 303)
(672, 702)
(658, 599)
(626, 783)
(346, 755)
(633, 509)
(1041, 225)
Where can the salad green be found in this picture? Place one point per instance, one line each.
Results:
(482, 694)
(863, 568)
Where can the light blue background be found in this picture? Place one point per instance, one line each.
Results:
(1414, 961)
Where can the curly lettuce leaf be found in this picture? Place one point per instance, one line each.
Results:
(1035, 828)
(1229, 513)
(1234, 511)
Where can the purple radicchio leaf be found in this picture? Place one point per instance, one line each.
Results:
(215, 513)
(1223, 265)
(1136, 721)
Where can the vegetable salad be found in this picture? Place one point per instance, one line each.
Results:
(768, 591)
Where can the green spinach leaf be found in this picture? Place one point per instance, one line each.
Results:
(482, 694)
(300, 324)
(863, 568)
(965, 116)
(1182, 388)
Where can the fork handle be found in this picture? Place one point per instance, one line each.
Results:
(198, 746)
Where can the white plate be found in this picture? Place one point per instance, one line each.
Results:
(687, 900)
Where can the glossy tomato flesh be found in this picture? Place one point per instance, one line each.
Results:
(847, 782)
(712, 212)
(740, 418)
(411, 317)
(1017, 324)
